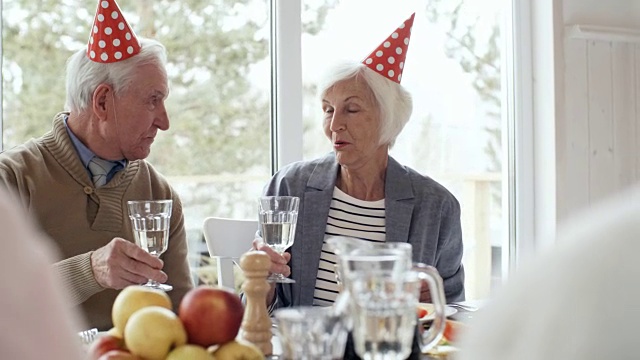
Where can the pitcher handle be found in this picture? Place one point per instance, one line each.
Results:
(430, 338)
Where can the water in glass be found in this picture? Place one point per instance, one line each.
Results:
(279, 236)
(384, 328)
(311, 333)
(150, 221)
(154, 242)
(383, 290)
(278, 216)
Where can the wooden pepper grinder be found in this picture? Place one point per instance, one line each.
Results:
(256, 324)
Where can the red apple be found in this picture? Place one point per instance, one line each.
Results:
(211, 315)
(118, 355)
(104, 344)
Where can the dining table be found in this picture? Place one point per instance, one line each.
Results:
(465, 311)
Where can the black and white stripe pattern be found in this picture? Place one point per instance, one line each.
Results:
(348, 217)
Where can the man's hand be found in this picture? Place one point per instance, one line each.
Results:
(121, 263)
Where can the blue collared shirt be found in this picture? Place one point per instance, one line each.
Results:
(86, 154)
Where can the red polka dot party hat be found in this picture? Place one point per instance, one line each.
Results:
(388, 58)
(111, 38)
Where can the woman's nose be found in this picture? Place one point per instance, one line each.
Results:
(337, 123)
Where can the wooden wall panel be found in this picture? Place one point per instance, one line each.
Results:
(624, 117)
(573, 179)
(600, 146)
(636, 62)
(600, 105)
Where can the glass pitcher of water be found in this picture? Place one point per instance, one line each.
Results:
(381, 290)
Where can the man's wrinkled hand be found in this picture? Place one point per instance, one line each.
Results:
(121, 263)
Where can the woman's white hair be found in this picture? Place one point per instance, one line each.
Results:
(84, 75)
(394, 102)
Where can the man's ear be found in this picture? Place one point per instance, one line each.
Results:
(102, 95)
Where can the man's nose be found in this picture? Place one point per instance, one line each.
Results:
(162, 120)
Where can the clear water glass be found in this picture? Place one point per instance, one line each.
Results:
(150, 221)
(311, 333)
(278, 216)
(384, 320)
(382, 291)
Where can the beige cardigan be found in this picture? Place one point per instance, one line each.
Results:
(53, 184)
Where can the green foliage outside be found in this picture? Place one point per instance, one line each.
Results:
(211, 104)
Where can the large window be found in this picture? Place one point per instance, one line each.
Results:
(216, 153)
(217, 150)
(232, 64)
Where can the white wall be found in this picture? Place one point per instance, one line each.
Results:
(597, 100)
(618, 13)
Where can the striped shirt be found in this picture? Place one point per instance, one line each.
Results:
(348, 217)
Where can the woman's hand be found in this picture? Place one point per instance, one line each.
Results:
(425, 294)
(278, 262)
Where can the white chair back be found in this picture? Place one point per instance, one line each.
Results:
(227, 239)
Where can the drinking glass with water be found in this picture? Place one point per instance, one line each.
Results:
(311, 333)
(278, 216)
(383, 293)
(150, 221)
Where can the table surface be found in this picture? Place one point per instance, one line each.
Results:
(461, 315)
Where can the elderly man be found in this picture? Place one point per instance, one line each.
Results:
(77, 178)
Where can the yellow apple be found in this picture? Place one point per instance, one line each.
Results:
(115, 332)
(189, 352)
(133, 298)
(153, 331)
(238, 350)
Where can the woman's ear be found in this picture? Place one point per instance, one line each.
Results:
(100, 99)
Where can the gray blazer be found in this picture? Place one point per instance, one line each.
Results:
(418, 210)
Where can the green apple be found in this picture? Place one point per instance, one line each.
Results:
(153, 331)
(238, 350)
(189, 352)
(133, 298)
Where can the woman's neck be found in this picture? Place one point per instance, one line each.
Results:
(364, 183)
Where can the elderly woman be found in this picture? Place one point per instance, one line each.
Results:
(358, 190)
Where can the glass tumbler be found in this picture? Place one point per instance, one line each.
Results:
(311, 333)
